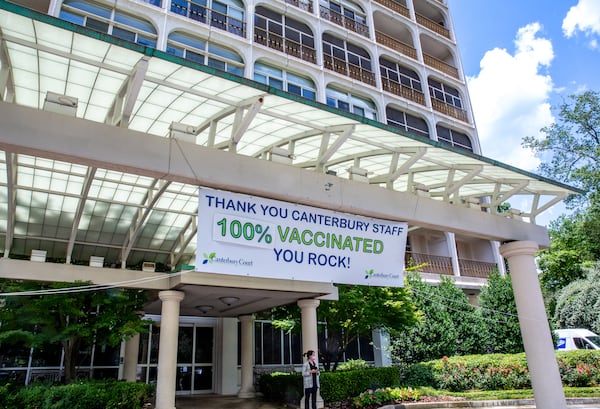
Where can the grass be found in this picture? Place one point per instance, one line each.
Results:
(591, 392)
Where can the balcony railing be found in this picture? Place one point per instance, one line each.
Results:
(440, 65)
(402, 90)
(341, 20)
(450, 110)
(350, 70)
(443, 265)
(280, 43)
(397, 7)
(429, 263)
(432, 25)
(302, 4)
(473, 268)
(394, 44)
(201, 13)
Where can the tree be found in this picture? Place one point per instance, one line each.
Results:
(579, 302)
(573, 145)
(71, 318)
(358, 311)
(502, 333)
(448, 325)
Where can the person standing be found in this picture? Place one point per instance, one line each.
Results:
(310, 376)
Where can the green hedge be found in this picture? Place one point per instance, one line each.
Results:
(335, 386)
(500, 371)
(83, 395)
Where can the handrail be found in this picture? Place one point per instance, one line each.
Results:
(397, 45)
(403, 91)
(440, 65)
(397, 7)
(344, 21)
(432, 25)
(353, 71)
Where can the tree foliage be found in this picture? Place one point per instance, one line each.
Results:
(448, 325)
(578, 304)
(73, 318)
(358, 311)
(498, 310)
(571, 147)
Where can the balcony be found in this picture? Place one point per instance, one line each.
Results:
(397, 7)
(394, 44)
(443, 265)
(432, 25)
(349, 70)
(279, 43)
(449, 110)
(305, 5)
(440, 66)
(344, 21)
(198, 12)
(402, 90)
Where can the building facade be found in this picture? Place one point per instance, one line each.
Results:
(356, 94)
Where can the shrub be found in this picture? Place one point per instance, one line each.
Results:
(500, 371)
(353, 364)
(418, 375)
(378, 397)
(83, 395)
(335, 386)
(281, 386)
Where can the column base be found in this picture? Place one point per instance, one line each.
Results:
(246, 394)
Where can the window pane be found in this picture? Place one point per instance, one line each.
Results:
(204, 345)
(184, 345)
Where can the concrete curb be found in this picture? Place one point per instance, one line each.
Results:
(486, 403)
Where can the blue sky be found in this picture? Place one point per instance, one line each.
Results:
(522, 58)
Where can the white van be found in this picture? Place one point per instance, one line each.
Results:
(576, 338)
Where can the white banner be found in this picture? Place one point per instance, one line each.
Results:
(252, 236)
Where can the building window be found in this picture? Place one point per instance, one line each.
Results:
(445, 93)
(205, 53)
(284, 34)
(454, 138)
(284, 80)
(226, 15)
(345, 14)
(274, 346)
(407, 122)
(347, 102)
(401, 81)
(347, 58)
(110, 21)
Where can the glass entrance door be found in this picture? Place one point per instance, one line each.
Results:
(195, 359)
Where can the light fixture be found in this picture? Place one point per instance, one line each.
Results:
(183, 132)
(204, 308)
(229, 300)
(61, 104)
(96, 261)
(38, 255)
(358, 174)
(281, 155)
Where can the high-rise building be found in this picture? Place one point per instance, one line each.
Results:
(362, 105)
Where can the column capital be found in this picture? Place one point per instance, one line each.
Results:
(171, 295)
(246, 318)
(519, 248)
(308, 303)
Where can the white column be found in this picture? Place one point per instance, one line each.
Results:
(453, 251)
(381, 347)
(310, 339)
(247, 386)
(539, 348)
(132, 348)
(167, 349)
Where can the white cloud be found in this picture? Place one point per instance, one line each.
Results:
(583, 17)
(510, 97)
